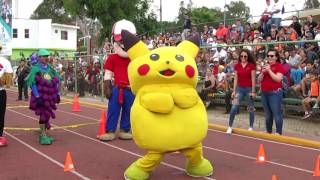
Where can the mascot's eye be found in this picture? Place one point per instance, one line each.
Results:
(179, 58)
(154, 57)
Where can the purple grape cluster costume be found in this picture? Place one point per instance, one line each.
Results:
(48, 91)
(44, 83)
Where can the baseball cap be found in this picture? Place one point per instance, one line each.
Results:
(122, 25)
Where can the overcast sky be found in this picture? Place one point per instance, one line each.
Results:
(170, 7)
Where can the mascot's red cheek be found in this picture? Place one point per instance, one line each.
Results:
(190, 71)
(143, 69)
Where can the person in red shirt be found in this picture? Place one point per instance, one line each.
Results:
(244, 85)
(271, 91)
(119, 94)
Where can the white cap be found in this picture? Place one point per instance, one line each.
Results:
(122, 25)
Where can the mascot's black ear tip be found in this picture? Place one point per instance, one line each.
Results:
(125, 33)
(128, 39)
(195, 39)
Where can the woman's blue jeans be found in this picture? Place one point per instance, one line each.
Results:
(241, 93)
(272, 105)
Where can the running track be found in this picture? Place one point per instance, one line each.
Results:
(233, 156)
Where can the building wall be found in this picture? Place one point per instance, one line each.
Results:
(42, 34)
(57, 42)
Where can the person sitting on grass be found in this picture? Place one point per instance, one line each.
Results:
(313, 96)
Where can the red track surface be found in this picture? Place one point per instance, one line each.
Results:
(233, 156)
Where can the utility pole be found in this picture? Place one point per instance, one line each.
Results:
(161, 16)
(224, 12)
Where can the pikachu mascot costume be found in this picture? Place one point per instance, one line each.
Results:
(167, 114)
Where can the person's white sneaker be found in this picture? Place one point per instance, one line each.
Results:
(208, 104)
(250, 129)
(229, 130)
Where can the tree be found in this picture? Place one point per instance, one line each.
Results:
(206, 15)
(52, 9)
(310, 4)
(237, 9)
(108, 12)
(184, 10)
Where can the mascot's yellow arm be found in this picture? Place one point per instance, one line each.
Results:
(164, 102)
(185, 98)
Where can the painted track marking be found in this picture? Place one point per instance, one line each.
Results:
(109, 145)
(45, 156)
(265, 140)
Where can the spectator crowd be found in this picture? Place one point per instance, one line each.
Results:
(217, 61)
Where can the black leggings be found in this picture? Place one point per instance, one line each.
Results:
(3, 104)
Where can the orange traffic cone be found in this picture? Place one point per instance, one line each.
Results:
(261, 158)
(274, 177)
(76, 105)
(102, 124)
(68, 164)
(317, 167)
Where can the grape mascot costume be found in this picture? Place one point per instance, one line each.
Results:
(119, 94)
(44, 83)
(167, 114)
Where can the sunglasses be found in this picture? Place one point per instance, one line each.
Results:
(271, 55)
(242, 56)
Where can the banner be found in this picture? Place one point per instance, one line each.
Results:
(6, 27)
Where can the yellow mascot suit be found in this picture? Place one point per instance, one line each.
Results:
(167, 114)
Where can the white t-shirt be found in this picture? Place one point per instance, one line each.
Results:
(5, 67)
(317, 38)
(220, 55)
(268, 9)
(221, 76)
(275, 7)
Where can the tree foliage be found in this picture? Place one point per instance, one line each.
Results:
(205, 15)
(52, 9)
(184, 10)
(237, 9)
(110, 11)
(310, 4)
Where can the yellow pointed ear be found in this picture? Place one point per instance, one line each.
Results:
(133, 45)
(190, 46)
(137, 50)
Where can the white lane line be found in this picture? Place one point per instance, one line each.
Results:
(240, 155)
(45, 156)
(253, 158)
(127, 151)
(248, 137)
(265, 140)
(110, 145)
(228, 152)
(78, 115)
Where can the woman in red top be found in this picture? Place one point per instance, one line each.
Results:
(271, 91)
(244, 85)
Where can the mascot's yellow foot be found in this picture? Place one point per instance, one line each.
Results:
(203, 169)
(125, 135)
(133, 172)
(107, 137)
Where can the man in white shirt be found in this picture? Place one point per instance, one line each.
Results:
(276, 14)
(220, 54)
(5, 80)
